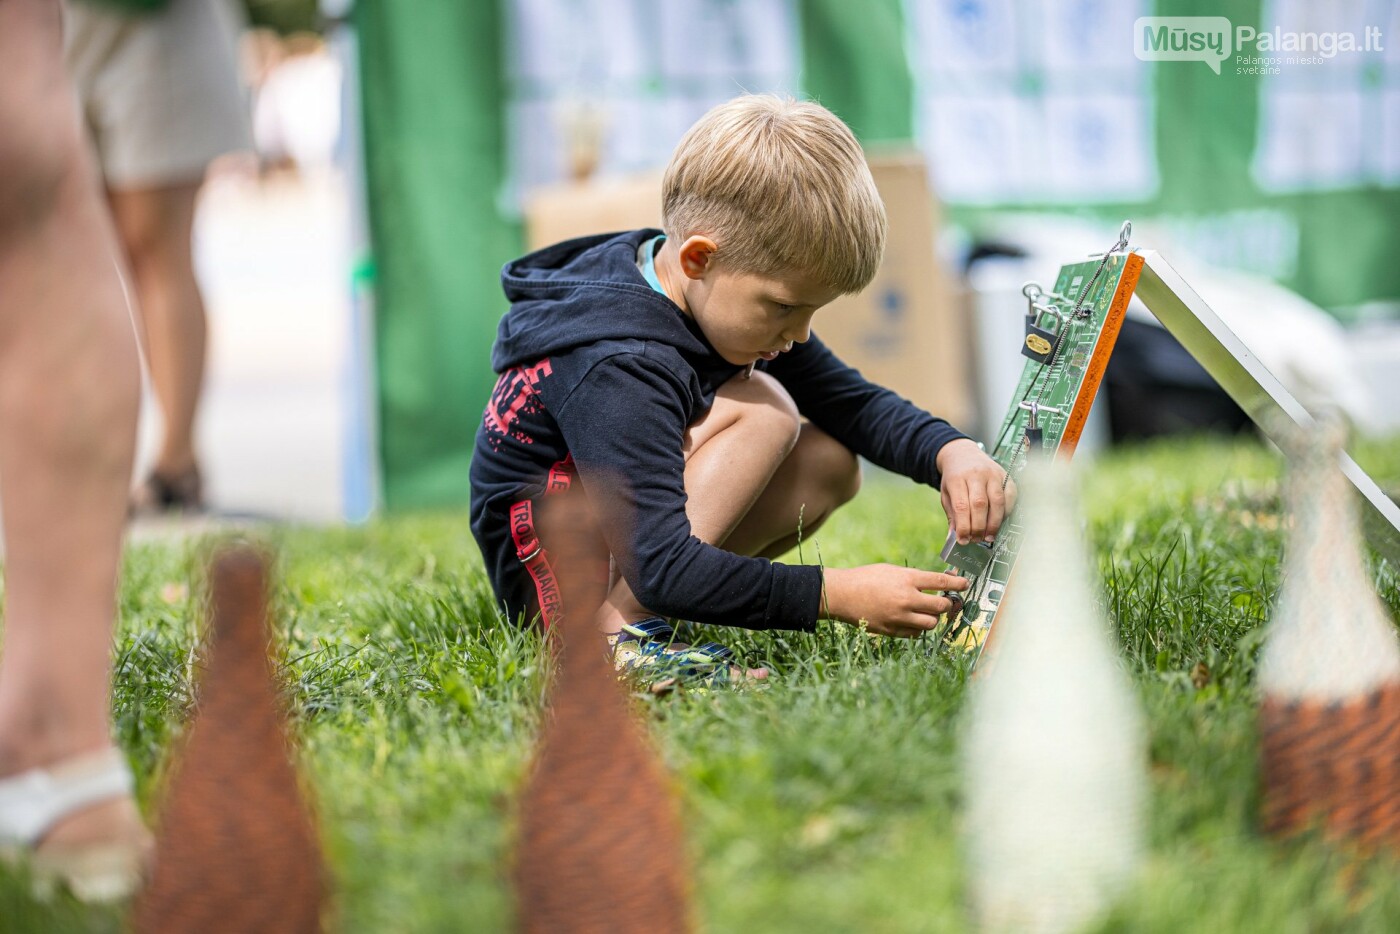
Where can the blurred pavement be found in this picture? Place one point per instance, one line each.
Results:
(273, 261)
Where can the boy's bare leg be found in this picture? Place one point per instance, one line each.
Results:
(818, 477)
(752, 468)
(155, 226)
(68, 400)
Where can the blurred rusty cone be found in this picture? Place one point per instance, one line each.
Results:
(1330, 668)
(600, 844)
(236, 848)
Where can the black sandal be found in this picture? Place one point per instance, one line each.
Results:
(160, 494)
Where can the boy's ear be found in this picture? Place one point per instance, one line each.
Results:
(697, 254)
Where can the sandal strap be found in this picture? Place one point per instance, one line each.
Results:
(654, 629)
(715, 651)
(32, 802)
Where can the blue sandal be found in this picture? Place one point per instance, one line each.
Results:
(647, 650)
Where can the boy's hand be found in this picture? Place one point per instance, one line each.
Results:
(973, 495)
(888, 599)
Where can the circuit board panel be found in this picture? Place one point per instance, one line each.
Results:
(1077, 322)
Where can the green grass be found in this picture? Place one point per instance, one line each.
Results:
(829, 801)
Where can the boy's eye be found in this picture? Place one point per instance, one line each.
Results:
(783, 309)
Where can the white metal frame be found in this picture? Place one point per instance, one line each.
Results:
(1244, 377)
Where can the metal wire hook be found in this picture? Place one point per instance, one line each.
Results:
(1124, 234)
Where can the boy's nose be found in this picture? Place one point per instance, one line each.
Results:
(799, 334)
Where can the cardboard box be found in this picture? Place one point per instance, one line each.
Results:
(576, 209)
(908, 330)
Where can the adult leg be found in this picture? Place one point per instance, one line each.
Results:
(155, 226)
(68, 399)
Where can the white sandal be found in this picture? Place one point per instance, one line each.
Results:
(32, 802)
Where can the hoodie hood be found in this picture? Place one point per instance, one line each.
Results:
(584, 291)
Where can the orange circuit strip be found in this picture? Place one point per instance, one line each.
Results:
(1098, 363)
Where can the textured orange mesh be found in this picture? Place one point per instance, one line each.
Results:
(236, 849)
(1333, 766)
(600, 844)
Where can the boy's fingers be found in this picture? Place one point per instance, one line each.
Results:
(979, 512)
(961, 515)
(997, 512)
(998, 507)
(915, 627)
(935, 605)
(937, 580)
(926, 607)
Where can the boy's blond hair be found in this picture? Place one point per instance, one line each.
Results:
(782, 187)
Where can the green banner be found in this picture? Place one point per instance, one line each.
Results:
(853, 62)
(434, 162)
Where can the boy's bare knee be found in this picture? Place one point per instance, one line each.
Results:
(836, 464)
(763, 397)
(830, 465)
(848, 479)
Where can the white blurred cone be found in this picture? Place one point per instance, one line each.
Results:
(1054, 757)
(1330, 667)
(1330, 638)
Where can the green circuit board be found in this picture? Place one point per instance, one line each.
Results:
(1070, 332)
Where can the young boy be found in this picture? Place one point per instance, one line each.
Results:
(676, 377)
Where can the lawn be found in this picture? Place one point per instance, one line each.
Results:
(828, 801)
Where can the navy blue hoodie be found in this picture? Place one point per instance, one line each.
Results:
(598, 367)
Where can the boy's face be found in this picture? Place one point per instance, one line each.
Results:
(745, 317)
